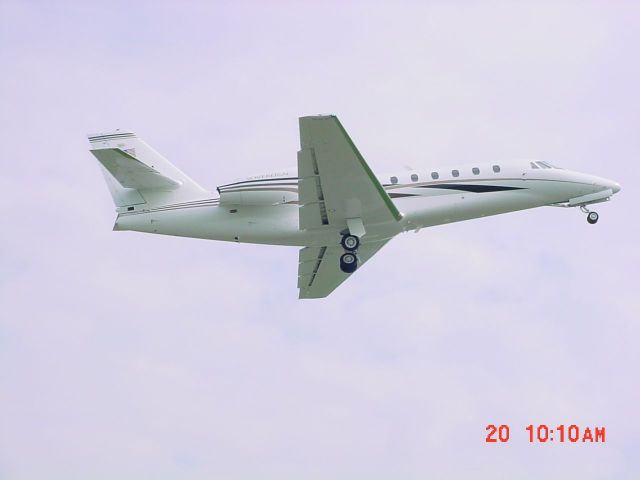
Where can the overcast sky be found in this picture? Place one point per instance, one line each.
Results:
(126, 355)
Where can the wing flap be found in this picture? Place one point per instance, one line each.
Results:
(309, 190)
(312, 215)
(307, 166)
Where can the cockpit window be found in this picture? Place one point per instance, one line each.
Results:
(533, 165)
(394, 180)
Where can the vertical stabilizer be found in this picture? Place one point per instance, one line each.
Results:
(136, 174)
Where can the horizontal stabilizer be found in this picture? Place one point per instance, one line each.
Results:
(131, 172)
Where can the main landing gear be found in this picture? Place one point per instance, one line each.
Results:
(349, 259)
(350, 243)
(592, 217)
(348, 262)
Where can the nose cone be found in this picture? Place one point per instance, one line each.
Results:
(607, 184)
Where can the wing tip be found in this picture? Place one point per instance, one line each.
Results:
(319, 116)
(306, 295)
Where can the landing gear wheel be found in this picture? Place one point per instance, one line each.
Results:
(348, 262)
(350, 242)
(592, 217)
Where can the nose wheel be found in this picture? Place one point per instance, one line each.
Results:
(349, 259)
(592, 217)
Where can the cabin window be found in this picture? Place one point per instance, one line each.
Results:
(455, 173)
(435, 175)
(394, 180)
(475, 170)
(414, 177)
(496, 168)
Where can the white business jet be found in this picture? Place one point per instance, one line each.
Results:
(332, 205)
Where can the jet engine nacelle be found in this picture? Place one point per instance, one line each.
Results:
(261, 190)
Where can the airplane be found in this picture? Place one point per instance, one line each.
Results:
(332, 205)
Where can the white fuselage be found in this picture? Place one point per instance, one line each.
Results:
(265, 209)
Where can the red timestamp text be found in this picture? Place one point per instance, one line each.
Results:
(543, 433)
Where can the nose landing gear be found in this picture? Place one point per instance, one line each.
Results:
(349, 259)
(592, 217)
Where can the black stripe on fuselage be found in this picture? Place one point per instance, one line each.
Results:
(400, 195)
(472, 188)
